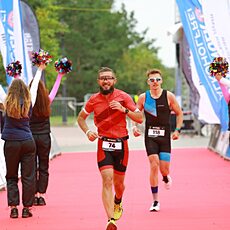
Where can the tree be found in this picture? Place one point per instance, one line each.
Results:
(91, 34)
(100, 37)
(50, 27)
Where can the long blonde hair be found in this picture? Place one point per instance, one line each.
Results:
(18, 100)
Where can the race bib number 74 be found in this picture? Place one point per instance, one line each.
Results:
(111, 146)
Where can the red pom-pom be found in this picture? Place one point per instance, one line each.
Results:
(63, 65)
(14, 68)
(41, 57)
(219, 65)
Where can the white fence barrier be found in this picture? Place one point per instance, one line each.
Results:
(219, 142)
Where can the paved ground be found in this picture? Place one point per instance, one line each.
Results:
(72, 139)
(199, 198)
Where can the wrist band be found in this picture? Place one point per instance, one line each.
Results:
(178, 129)
(86, 133)
(126, 110)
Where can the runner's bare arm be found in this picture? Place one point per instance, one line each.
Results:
(179, 114)
(135, 116)
(140, 106)
(81, 119)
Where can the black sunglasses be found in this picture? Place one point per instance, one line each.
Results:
(103, 78)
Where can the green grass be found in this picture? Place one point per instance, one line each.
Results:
(58, 121)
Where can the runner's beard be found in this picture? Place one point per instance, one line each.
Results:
(106, 91)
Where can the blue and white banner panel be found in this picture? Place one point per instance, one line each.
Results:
(12, 38)
(31, 32)
(217, 18)
(206, 113)
(203, 51)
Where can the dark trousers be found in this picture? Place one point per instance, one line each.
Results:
(20, 152)
(43, 145)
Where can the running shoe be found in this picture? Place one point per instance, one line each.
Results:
(35, 201)
(111, 225)
(155, 207)
(26, 212)
(118, 210)
(168, 184)
(41, 201)
(14, 213)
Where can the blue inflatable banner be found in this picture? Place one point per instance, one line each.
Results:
(203, 51)
(12, 38)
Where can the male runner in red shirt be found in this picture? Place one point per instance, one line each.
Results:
(110, 107)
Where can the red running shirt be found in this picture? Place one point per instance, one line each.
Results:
(110, 122)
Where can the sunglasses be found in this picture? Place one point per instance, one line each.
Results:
(155, 79)
(108, 78)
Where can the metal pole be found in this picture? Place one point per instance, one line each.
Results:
(64, 104)
(178, 81)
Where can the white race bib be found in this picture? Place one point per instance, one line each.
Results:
(111, 146)
(156, 132)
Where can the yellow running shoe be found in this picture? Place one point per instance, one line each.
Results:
(111, 225)
(118, 210)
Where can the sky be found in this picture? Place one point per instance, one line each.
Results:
(159, 17)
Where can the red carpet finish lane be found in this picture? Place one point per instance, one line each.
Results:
(199, 198)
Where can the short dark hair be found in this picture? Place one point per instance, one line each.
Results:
(106, 69)
(153, 71)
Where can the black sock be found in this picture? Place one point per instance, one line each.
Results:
(155, 203)
(165, 179)
(117, 201)
(111, 219)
